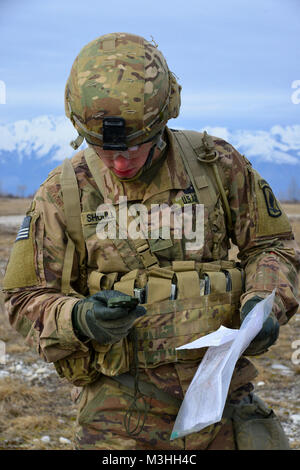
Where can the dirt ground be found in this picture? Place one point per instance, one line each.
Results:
(36, 410)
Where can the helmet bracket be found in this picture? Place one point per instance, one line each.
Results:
(114, 135)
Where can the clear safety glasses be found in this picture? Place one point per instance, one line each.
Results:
(130, 153)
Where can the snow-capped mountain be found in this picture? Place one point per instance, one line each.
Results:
(29, 150)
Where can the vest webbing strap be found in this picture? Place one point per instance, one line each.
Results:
(72, 209)
(67, 267)
(201, 176)
(93, 162)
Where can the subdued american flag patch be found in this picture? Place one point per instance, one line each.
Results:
(24, 230)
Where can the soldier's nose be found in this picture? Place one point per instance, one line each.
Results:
(121, 163)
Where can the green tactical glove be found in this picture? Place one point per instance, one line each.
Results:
(106, 316)
(267, 335)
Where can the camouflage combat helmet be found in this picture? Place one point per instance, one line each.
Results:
(124, 76)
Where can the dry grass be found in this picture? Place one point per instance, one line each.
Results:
(13, 206)
(29, 412)
(291, 208)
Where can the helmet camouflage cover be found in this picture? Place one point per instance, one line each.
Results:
(121, 75)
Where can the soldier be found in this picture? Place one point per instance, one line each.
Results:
(73, 292)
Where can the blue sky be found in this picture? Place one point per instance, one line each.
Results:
(236, 61)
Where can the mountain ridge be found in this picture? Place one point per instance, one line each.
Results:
(30, 149)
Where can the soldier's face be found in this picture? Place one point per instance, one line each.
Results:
(125, 164)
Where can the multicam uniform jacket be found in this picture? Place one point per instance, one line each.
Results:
(39, 310)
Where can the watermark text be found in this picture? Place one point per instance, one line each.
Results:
(2, 352)
(296, 94)
(160, 222)
(2, 92)
(295, 358)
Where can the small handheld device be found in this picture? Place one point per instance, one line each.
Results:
(126, 301)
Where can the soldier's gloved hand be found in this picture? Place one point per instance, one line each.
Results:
(93, 318)
(267, 335)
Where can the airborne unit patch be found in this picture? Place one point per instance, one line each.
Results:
(271, 201)
(271, 219)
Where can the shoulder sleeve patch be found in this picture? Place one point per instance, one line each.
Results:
(270, 218)
(20, 271)
(24, 230)
(271, 201)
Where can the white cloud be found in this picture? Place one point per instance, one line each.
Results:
(48, 136)
(221, 132)
(289, 135)
(278, 145)
(40, 137)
